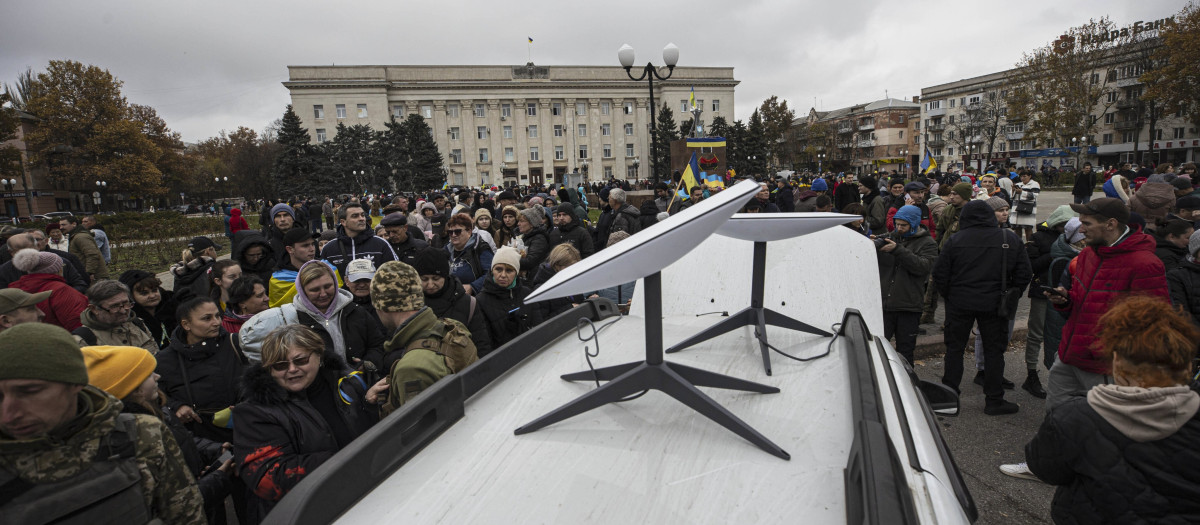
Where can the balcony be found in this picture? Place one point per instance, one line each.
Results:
(866, 127)
(1126, 103)
(845, 130)
(974, 106)
(1014, 135)
(935, 128)
(936, 143)
(1128, 81)
(935, 112)
(1126, 125)
(868, 143)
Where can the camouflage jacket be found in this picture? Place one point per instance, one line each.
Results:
(168, 487)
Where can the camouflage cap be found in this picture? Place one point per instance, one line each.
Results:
(397, 288)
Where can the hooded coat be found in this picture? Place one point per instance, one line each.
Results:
(453, 301)
(191, 278)
(1061, 256)
(63, 306)
(1153, 201)
(968, 271)
(505, 310)
(280, 437)
(1170, 254)
(244, 240)
(237, 223)
(162, 321)
(344, 249)
(626, 219)
(349, 331)
(537, 248)
(574, 234)
(904, 271)
(1184, 284)
(648, 214)
(1101, 276)
(805, 201)
(1122, 455)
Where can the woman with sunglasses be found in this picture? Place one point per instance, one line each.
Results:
(303, 405)
(200, 370)
(470, 256)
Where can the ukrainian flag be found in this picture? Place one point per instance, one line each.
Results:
(692, 98)
(691, 174)
(530, 40)
(446, 185)
(928, 163)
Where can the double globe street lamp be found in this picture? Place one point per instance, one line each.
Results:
(650, 72)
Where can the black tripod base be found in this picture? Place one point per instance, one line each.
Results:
(675, 380)
(751, 316)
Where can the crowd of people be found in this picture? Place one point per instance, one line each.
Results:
(246, 373)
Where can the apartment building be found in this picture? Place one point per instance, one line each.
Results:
(863, 138)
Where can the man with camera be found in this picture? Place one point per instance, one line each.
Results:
(906, 256)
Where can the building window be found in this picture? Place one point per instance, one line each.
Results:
(455, 133)
(916, 139)
(581, 109)
(716, 105)
(950, 151)
(483, 155)
(508, 155)
(558, 130)
(583, 130)
(321, 135)
(1158, 134)
(318, 111)
(483, 175)
(1106, 139)
(607, 151)
(508, 132)
(1177, 133)
(533, 154)
(531, 109)
(532, 131)
(951, 119)
(1127, 136)
(901, 133)
(684, 107)
(426, 111)
(605, 108)
(556, 109)
(456, 156)
(583, 151)
(952, 106)
(627, 107)
(629, 130)
(949, 135)
(629, 150)
(341, 110)
(608, 172)
(1109, 118)
(398, 111)
(1113, 96)
(452, 110)
(505, 110)
(933, 104)
(606, 130)
(559, 154)
(481, 132)
(480, 110)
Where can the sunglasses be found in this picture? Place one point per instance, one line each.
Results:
(283, 366)
(456, 231)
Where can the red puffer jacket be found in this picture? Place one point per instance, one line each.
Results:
(1102, 276)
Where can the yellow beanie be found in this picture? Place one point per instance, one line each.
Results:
(118, 370)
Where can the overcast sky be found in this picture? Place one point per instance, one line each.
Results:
(208, 66)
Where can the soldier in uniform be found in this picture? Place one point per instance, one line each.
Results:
(66, 450)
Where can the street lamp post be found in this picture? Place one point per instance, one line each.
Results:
(1078, 143)
(820, 163)
(650, 72)
(100, 185)
(904, 165)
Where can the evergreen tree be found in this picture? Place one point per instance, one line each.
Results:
(685, 128)
(754, 146)
(392, 152)
(665, 132)
(297, 164)
(734, 150)
(355, 158)
(718, 128)
(423, 169)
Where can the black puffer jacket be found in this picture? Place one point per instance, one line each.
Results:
(1184, 283)
(280, 437)
(1172, 256)
(242, 241)
(904, 270)
(505, 311)
(967, 272)
(453, 302)
(204, 375)
(1038, 251)
(575, 235)
(1106, 477)
(537, 248)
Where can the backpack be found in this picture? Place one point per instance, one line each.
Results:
(108, 491)
(428, 359)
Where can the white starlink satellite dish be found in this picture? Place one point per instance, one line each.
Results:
(644, 255)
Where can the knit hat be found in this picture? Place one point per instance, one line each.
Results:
(963, 190)
(13, 298)
(1071, 231)
(359, 269)
(510, 210)
(482, 212)
(395, 219)
(118, 370)
(282, 207)
(201, 243)
(432, 261)
(396, 288)
(567, 209)
(1157, 177)
(535, 200)
(507, 255)
(328, 235)
(868, 181)
(296, 235)
(507, 196)
(1194, 244)
(820, 185)
(910, 214)
(997, 203)
(41, 351)
(1181, 183)
(30, 260)
(1060, 215)
(534, 214)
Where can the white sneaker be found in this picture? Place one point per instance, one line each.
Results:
(1019, 470)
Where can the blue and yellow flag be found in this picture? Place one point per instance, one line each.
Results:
(691, 174)
(530, 40)
(928, 163)
(692, 98)
(446, 185)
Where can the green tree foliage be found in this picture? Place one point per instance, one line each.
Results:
(1174, 84)
(734, 148)
(777, 120)
(718, 128)
(754, 147)
(297, 164)
(354, 157)
(87, 131)
(665, 131)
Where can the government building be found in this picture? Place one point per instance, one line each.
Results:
(497, 125)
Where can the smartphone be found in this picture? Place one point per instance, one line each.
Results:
(225, 456)
(1051, 291)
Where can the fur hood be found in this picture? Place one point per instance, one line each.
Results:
(261, 388)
